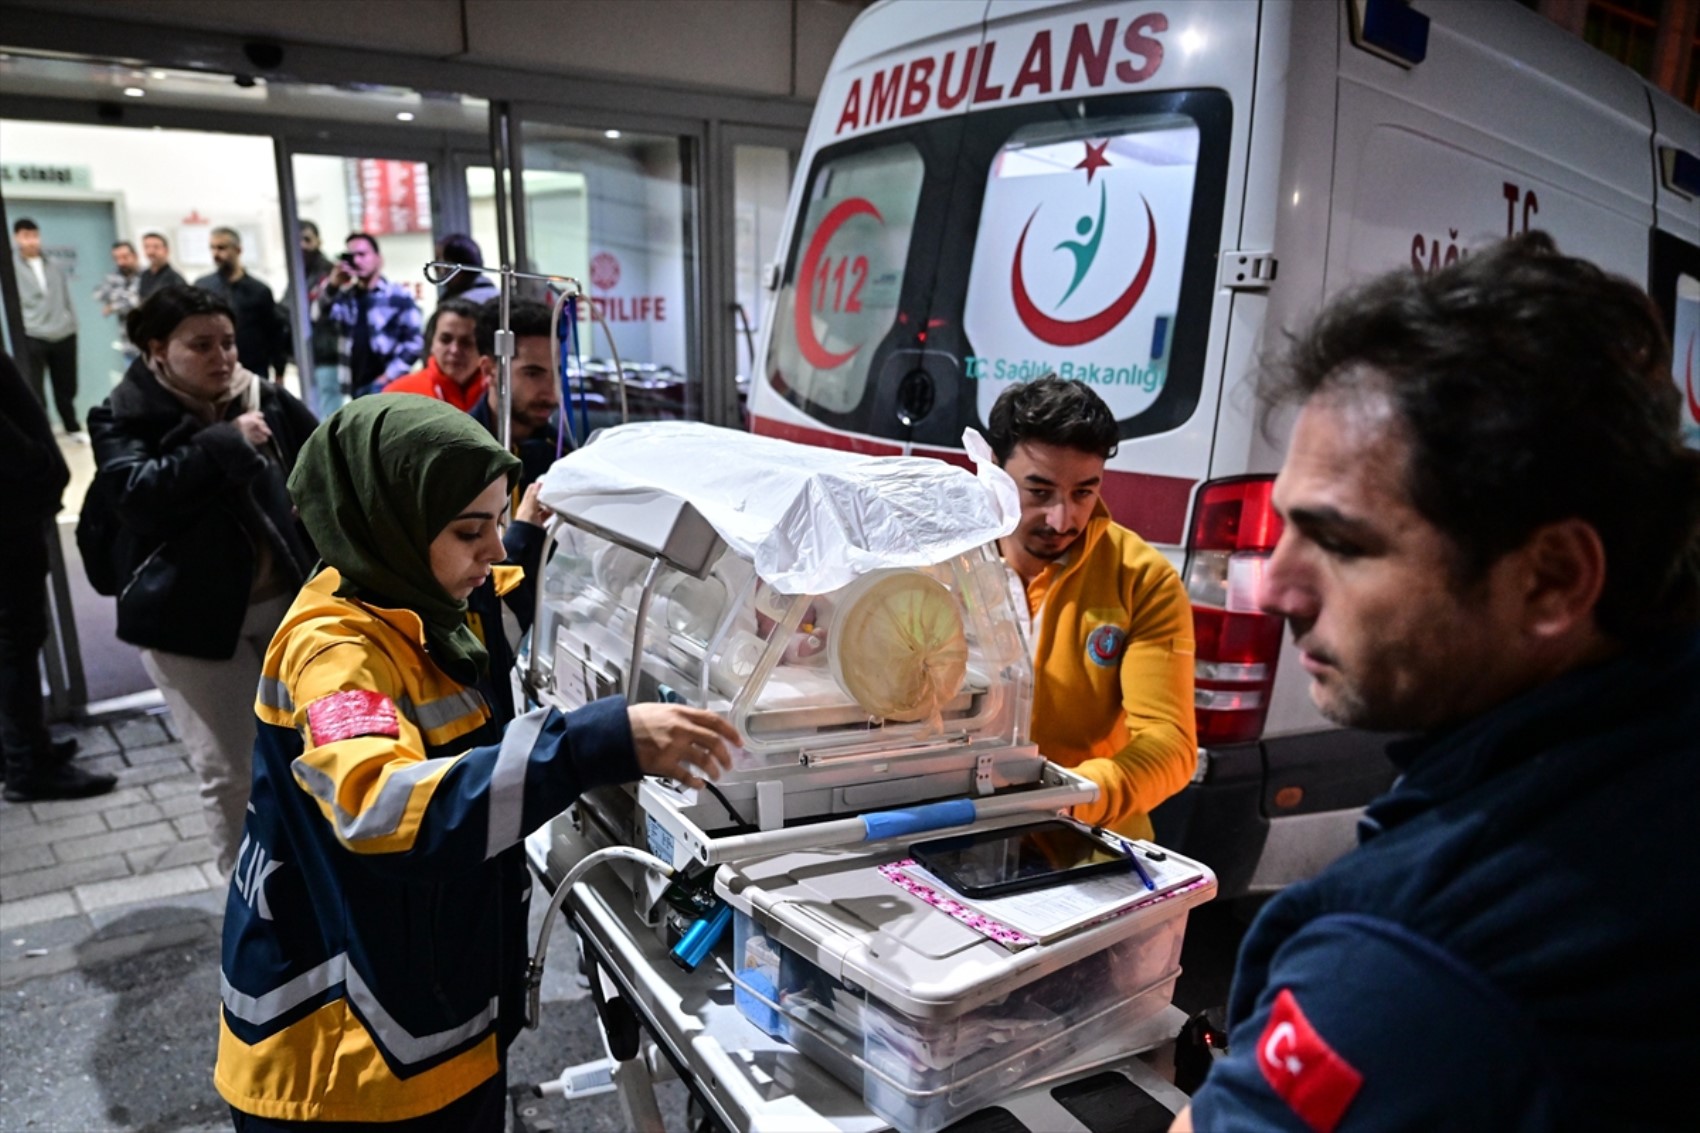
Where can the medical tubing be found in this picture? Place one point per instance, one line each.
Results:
(534, 970)
(619, 367)
(560, 368)
(583, 375)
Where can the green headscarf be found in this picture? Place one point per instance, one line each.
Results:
(375, 483)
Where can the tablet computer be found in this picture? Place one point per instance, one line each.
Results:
(991, 863)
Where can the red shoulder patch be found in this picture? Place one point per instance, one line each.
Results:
(346, 715)
(1302, 1069)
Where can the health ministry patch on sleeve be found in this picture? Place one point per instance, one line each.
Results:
(1105, 644)
(1302, 1069)
(346, 715)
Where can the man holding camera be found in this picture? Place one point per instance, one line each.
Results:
(377, 323)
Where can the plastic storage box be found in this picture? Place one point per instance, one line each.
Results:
(931, 1024)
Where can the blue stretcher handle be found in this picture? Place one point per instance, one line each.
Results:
(918, 819)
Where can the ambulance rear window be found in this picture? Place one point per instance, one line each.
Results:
(936, 263)
(1685, 360)
(843, 289)
(1079, 257)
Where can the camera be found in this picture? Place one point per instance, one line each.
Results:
(347, 258)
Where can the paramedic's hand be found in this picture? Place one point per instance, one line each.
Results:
(531, 509)
(671, 739)
(253, 427)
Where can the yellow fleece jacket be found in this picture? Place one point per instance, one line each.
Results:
(1113, 654)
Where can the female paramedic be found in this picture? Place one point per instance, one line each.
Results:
(375, 932)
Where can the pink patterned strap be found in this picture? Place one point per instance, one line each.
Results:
(896, 872)
(346, 715)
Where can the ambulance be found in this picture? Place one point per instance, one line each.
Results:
(1143, 195)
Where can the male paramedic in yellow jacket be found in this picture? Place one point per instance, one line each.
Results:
(1111, 627)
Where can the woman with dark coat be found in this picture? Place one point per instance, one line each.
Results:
(193, 452)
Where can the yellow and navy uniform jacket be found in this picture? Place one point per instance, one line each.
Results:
(1113, 653)
(375, 932)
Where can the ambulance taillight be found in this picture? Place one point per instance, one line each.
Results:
(1234, 532)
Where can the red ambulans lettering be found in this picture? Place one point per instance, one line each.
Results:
(943, 82)
(1035, 68)
(1302, 1069)
(949, 99)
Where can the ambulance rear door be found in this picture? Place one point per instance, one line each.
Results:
(1068, 214)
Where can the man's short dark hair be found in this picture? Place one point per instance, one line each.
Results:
(25, 224)
(527, 318)
(1051, 411)
(160, 236)
(116, 244)
(366, 236)
(1532, 388)
(465, 308)
(306, 226)
(162, 311)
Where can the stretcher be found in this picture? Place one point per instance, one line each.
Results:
(850, 618)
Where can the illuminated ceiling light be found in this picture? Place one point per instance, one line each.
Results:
(159, 74)
(134, 92)
(611, 134)
(1191, 41)
(404, 116)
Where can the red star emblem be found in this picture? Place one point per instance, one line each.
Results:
(1094, 159)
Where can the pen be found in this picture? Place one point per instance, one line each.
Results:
(1139, 868)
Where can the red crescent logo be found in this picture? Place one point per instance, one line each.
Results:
(1060, 333)
(813, 352)
(1688, 379)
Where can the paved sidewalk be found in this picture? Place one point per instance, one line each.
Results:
(110, 916)
(86, 863)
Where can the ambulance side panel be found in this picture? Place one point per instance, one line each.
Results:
(1676, 249)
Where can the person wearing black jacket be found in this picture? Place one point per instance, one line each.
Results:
(193, 452)
(32, 478)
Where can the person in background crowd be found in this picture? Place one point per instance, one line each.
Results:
(192, 450)
(32, 477)
(322, 335)
(473, 286)
(314, 262)
(262, 339)
(1491, 546)
(376, 322)
(159, 272)
(393, 789)
(536, 387)
(1111, 624)
(50, 325)
(120, 292)
(453, 370)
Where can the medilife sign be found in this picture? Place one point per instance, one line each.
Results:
(1095, 55)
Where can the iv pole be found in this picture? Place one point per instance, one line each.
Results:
(439, 272)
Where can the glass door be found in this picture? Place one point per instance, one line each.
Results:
(618, 211)
(761, 186)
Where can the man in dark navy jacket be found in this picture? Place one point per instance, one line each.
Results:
(1492, 542)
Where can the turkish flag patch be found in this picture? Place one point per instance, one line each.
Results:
(346, 715)
(1304, 1070)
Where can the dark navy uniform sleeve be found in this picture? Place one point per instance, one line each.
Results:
(524, 544)
(1363, 1025)
(364, 761)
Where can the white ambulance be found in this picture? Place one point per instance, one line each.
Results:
(1141, 195)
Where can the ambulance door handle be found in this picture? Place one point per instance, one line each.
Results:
(1247, 271)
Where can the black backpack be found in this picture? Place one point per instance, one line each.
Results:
(108, 548)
